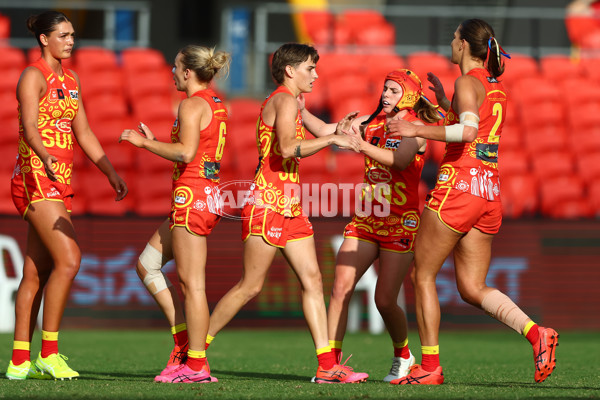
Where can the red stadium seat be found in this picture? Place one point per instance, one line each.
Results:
(435, 151)
(519, 194)
(513, 162)
(346, 86)
(588, 165)
(572, 209)
(552, 164)
(11, 58)
(379, 65)
(377, 37)
(365, 104)
(243, 109)
(331, 65)
(557, 67)
(593, 193)
(350, 166)
(151, 193)
(535, 90)
(101, 83)
(556, 190)
(424, 61)
(93, 59)
(319, 25)
(9, 80)
(101, 196)
(511, 138)
(518, 67)
(139, 59)
(152, 108)
(34, 53)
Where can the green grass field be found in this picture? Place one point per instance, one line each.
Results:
(278, 364)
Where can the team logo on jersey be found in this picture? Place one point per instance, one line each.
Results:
(74, 94)
(56, 95)
(375, 140)
(216, 99)
(392, 143)
(63, 125)
(378, 175)
(60, 94)
(491, 79)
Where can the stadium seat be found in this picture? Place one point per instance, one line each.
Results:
(423, 62)
(241, 136)
(535, 90)
(572, 209)
(557, 67)
(319, 26)
(9, 80)
(350, 166)
(93, 59)
(243, 109)
(552, 164)
(435, 151)
(511, 138)
(145, 83)
(331, 65)
(152, 108)
(151, 193)
(378, 65)
(377, 37)
(513, 162)
(140, 59)
(557, 190)
(590, 66)
(593, 194)
(101, 196)
(4, 27)
(519, 194)
(100, 83)
(518, 67)
(342, 87)
(588, 165)
(11, 58)
(104, 107)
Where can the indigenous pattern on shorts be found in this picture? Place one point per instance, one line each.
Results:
(195, 183)
(57, 109)
(387, 188)
(473, 167)
(276, 180)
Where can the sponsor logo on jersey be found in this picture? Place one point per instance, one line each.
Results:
(53, 193)
(74, 94)
(63, 125)
(180, 199)
(392, 143)
(491, 79)
(375, 140)
(274, 232)
(216, 99)
(378, 175)
(60, 94)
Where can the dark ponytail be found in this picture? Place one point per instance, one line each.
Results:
(45, 23)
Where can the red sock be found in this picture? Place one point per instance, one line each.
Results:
(20, 356)
(533, 335)
(327, 360)
(429, 362)
(196, 363)
(181, 338)
(337, 353)
(403, 352)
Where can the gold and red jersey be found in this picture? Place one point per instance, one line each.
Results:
(195, 183)
(276, 180)
(57, 109)
(473, 167)
(384, 186)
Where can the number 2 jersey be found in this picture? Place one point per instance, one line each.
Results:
(473, 167)
(195, 183)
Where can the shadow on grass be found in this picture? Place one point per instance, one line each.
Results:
(260, 375)
(522, 385)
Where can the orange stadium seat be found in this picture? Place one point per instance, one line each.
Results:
(519, 194)
(557, 67)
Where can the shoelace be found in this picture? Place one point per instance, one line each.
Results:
(395, 366)
(62, 361)
(343, 365)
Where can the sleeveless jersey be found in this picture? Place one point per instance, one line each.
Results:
(276, 182)
(57, 108)
(473, 167)
(195, 183)
(398, 189)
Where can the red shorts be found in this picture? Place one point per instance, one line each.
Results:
(274, 228)
(396, 237)
(27, 189)
(197, 222)
(462, 211)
